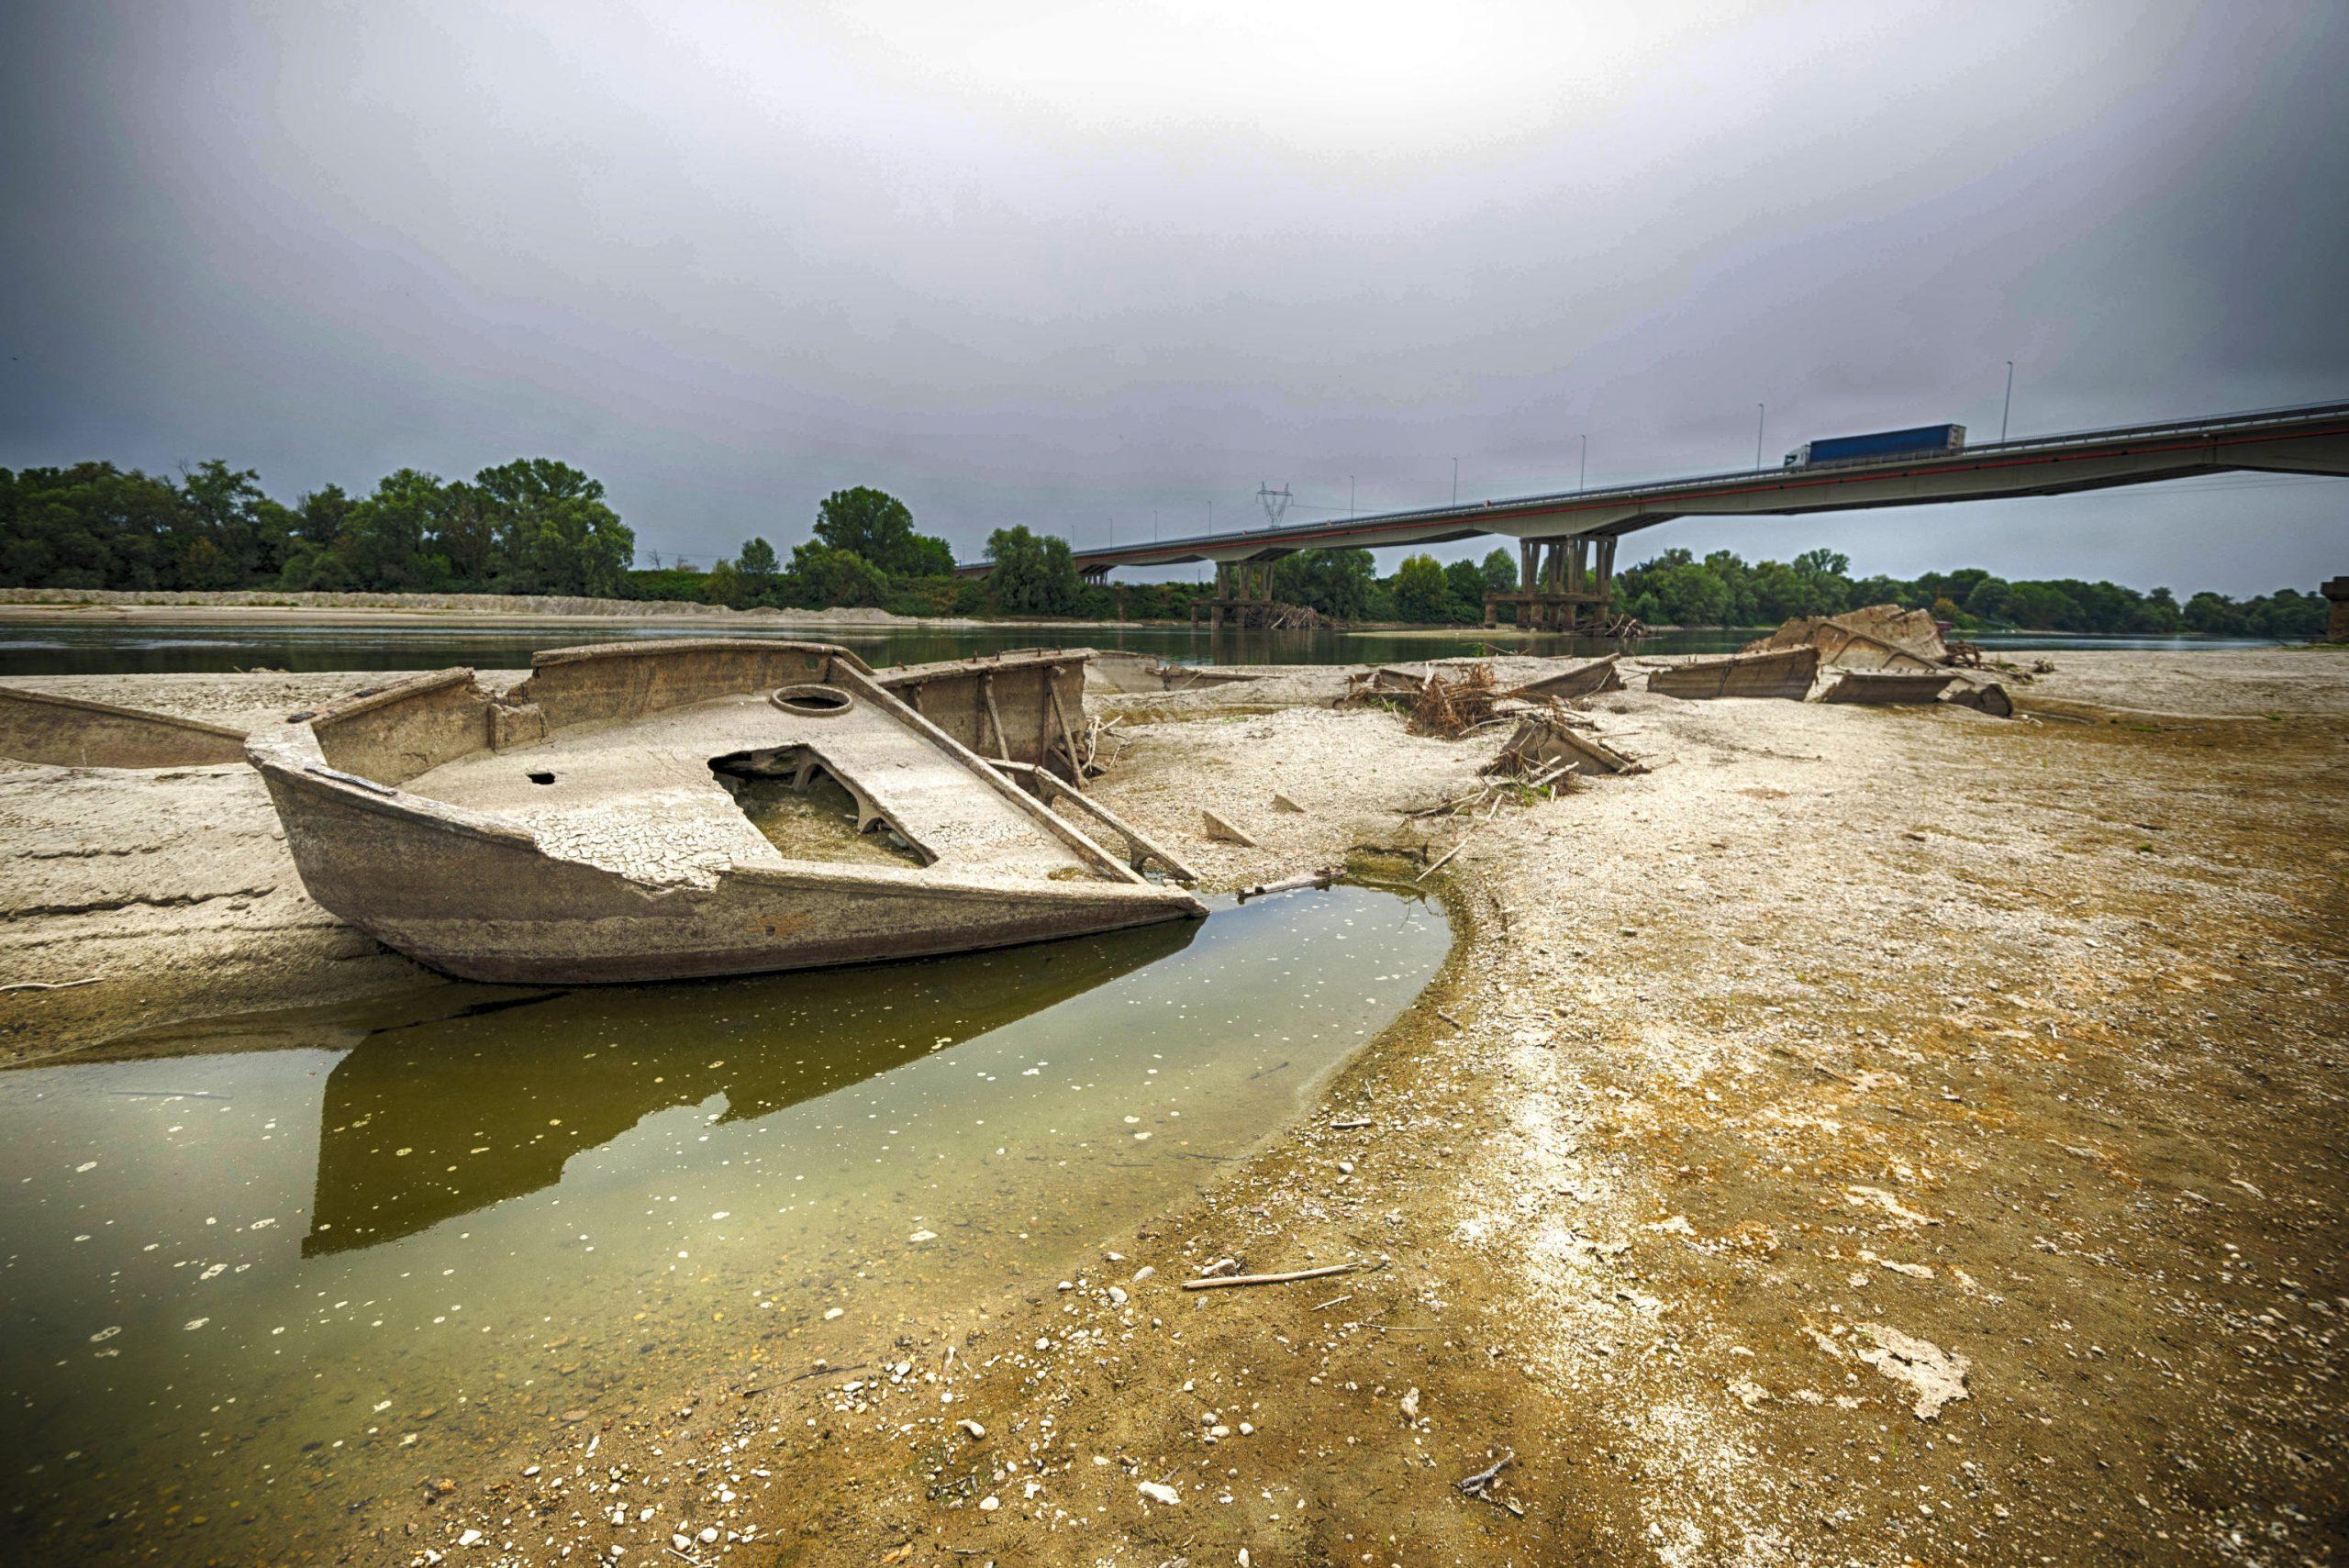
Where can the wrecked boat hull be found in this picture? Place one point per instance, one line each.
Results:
(382, 802)
(73, 732)
(482, 902)
(1785, 673)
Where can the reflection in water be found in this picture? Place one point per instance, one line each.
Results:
(426, 1121)
(256, 1286)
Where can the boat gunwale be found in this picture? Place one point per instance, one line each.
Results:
(295, 758)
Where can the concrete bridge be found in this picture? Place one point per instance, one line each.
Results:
(1566, 540)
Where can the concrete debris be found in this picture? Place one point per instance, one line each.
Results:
(1876, 687)
(1878, 637)
(1985, 697)
(1223, 832)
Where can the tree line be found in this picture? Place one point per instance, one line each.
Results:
(1675, 588)
(537, 526)
(533, 525)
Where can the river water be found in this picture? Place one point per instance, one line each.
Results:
(260, 1277)
(38, 649)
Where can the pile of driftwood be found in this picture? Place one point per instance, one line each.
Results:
(1552, 744)
(1448, 709)
(1279, 618)
(1446, 706)
(1622, 629)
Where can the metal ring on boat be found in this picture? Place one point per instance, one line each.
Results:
(813, 700)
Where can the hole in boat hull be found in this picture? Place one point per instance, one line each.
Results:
(809, 812)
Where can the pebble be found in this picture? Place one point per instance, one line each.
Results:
(989, 1503)
(1157, 1492)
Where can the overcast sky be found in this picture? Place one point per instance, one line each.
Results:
(1080, 264)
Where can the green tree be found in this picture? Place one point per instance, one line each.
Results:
(1338, 583)
(880, 527)
(464, 530)
(1737, 586)
(319, 516)
(1687, 594)
(2286, 614)
(382, 547)
(1987, 599)
(218, 509)
(2213, 615)
(758, 566)
(1467, 586)
(822, 576)
(1499, 571)
(1422, 592)
(555, 534)
(721, 584)
(2042, 606)
(1032, 576)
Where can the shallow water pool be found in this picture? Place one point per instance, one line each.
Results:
(261, 1278)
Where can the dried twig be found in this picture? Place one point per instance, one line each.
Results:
(1229, 1282)
(51, 984)
(1473, 1486)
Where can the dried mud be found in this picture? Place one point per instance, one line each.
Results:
(1872, 1136)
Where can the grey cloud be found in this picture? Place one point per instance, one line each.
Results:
(1063, 266)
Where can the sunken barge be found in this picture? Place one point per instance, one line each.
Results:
(663, 810)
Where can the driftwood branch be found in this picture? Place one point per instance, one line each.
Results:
(1294, 884)
(51, 984)
(1473, 1486)
(1230, 1281)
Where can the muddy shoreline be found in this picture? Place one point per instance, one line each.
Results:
(1851, 1063)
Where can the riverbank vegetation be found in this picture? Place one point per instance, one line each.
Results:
(538, 526)
(1675, 588)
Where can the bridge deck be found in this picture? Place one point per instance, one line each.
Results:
(2312, 439)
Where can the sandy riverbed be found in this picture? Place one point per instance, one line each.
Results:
(1850, 1065)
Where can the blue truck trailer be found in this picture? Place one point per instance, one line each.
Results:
(1921, 441)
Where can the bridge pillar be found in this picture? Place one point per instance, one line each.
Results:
(2337, 628)
(1557, 577)
(1242, 588)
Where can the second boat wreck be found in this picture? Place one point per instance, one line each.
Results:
(650, 811)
